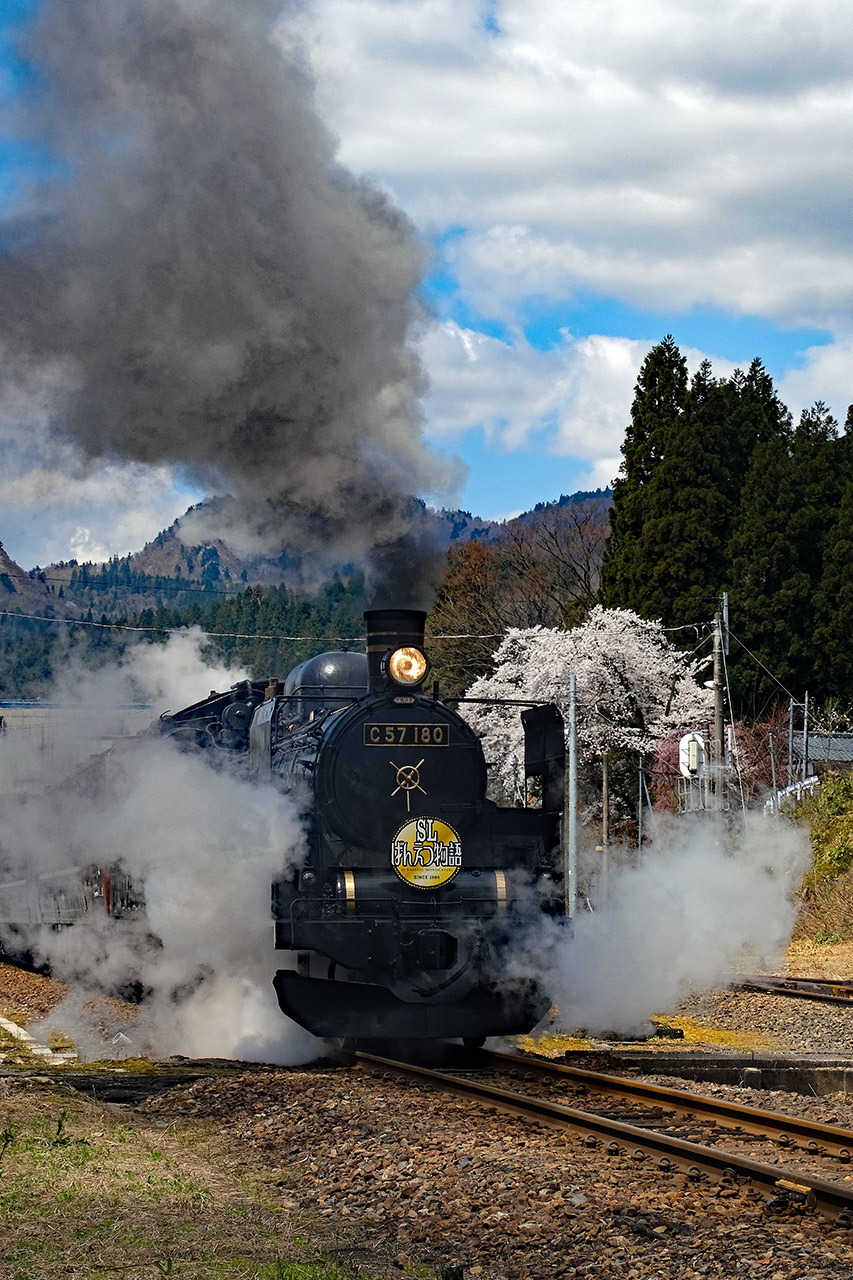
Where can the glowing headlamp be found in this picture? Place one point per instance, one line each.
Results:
(407, 666)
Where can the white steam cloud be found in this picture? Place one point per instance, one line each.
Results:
(205, 845)
(695, 910)
(702, 902)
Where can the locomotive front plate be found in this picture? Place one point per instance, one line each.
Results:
(390, 734)
(381, 764)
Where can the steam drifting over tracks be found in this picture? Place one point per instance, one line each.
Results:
(653, 1127)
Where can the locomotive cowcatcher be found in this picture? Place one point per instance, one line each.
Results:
(405, 917)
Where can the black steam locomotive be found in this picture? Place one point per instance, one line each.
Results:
(402, 917)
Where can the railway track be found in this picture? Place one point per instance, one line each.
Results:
(833, 990)
(673, 1129)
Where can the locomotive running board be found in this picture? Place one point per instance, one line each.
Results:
(365, 1010)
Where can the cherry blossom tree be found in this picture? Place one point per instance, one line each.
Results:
(633, 688)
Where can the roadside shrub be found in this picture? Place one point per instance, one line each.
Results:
(830, 816)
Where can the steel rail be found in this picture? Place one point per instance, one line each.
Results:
(816, 1137)
(831, 1198)
(834, 991)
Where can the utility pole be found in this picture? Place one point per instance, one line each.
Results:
(804, 761)
(605, 802)
(570, 818)
(719, 741)
(806, 736)
(773, 775)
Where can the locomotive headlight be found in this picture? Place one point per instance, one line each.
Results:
(407, 666)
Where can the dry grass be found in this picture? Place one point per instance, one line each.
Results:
(807, 958)
(694, 1033)
(84, 1194)
(826, 912)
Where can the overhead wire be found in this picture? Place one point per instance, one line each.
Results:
(228, 635)
(755, 658)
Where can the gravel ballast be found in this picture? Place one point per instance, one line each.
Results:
(430, 1180)
(404, 1179)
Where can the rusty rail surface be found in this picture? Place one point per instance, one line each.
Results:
(814, 1136)
(833, 990)
(833, 1199)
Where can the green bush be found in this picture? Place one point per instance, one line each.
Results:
(830, 817)
(835, 798)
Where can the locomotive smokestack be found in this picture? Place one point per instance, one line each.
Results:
(389, 631)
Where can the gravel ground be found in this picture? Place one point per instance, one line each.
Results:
(396, 1175)
(395, 1170)
(803, 1026)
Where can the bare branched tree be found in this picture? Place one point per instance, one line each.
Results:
(542, 570)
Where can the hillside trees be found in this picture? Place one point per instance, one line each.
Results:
(689, 500)
(728, 496)
(786, 528)
(659, 399)
(833, 600)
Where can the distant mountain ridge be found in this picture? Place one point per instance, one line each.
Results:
(170, 567)
(168, 555)
(23, 590)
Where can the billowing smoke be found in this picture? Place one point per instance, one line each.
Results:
(203, 844)
(193, 280)
(699, 906)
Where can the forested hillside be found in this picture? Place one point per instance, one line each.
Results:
(540, 567)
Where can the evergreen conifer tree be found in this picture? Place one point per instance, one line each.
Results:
(659, 400)
(690, 502)
(825, 460)
(765, 574)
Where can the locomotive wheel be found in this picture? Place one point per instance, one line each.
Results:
(473, 1042)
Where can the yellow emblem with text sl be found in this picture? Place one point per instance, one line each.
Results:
(426, 853)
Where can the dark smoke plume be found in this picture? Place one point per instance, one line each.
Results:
(206, 285)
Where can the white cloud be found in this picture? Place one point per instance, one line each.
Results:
(826, 374)
(58, 505)
(61, 512)
(575, 399)
(501, 266)
(659, 151)
(571, 401)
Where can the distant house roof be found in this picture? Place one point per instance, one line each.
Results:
(832, 748)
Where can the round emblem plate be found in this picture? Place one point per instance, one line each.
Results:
(426, 853)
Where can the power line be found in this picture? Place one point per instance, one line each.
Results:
(227, 635)
(755, 658)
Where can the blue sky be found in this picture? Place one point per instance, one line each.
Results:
(587, 178)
